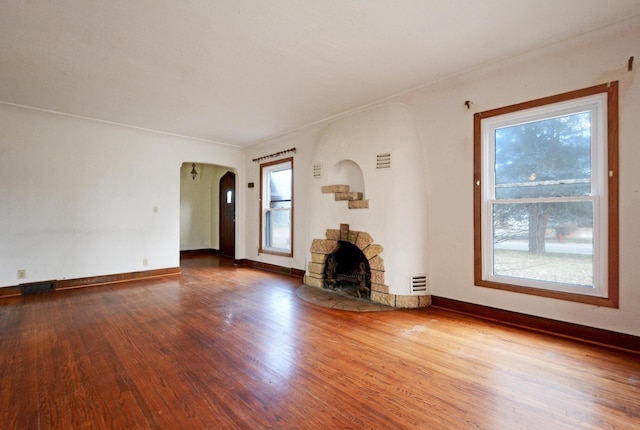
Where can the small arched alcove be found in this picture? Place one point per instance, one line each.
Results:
(347, 172)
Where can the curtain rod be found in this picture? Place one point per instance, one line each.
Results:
(275, 154)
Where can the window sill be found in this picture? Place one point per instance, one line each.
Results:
(274, 252)
(607, 302)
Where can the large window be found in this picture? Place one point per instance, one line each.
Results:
(276, 213)
(546, 197)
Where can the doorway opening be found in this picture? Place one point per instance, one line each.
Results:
(207, 221)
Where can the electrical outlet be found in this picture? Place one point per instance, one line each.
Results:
(145, 262)
(22, 273)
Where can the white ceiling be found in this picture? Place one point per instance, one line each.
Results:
(243, 71)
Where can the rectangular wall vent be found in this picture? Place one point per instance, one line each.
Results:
(37, 287)
(317, 170)
(285, 270)
(383, 161)
(420, 284)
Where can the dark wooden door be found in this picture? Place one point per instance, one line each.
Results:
(228, 215)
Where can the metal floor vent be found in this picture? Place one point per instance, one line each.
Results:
(37, 287)
(285, 270)
(383, 161)
(419, 284)
(317, 170)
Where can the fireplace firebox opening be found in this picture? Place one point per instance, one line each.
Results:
(363, 270)
(347, 269)
(349, 261)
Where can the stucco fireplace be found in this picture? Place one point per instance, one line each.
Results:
(368, 191)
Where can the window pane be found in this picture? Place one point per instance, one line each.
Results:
(278, 228)
(551, 242)
(280, 204)
(280, 185)
(548, 158)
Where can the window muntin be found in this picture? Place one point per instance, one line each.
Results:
(542, 197)
(276, 215)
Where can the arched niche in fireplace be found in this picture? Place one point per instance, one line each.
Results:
(347, 172)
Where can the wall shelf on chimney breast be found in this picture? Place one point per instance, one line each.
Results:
(341, 192)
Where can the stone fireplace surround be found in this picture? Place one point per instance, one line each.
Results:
(322, 248)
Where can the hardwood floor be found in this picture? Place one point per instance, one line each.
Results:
(223, 348)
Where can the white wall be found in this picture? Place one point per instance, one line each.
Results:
(445, 130)
(77, 196)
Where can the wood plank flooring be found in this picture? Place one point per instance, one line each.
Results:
(222, 347)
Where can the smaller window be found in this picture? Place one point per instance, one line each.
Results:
(276, 209)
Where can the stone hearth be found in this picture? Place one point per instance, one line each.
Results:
(322, 248)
